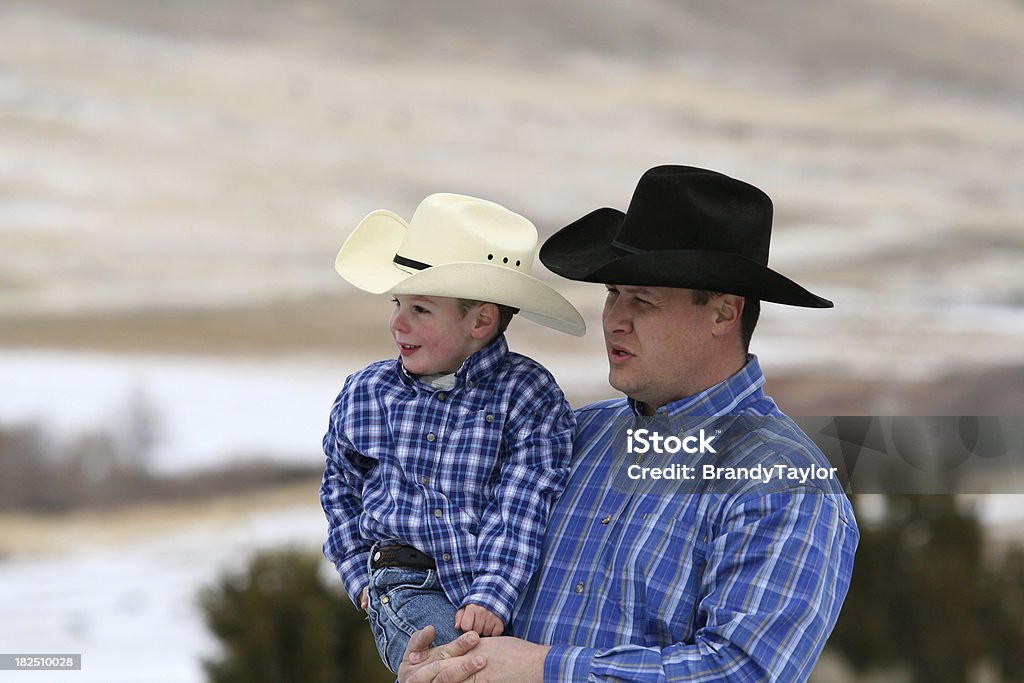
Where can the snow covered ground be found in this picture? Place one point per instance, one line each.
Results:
(131, 610)
(205, 412)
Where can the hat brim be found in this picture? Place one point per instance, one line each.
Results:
(585, 251)
(366, 260)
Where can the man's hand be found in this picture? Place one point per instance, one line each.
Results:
(480, 619)
(444, 664)
(507, 660)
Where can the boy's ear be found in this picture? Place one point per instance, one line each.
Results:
(485, 320)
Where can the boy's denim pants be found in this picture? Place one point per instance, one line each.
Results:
(402, 601)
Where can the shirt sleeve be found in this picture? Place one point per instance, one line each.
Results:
(776, 577)
(533, 474)
(341, 498)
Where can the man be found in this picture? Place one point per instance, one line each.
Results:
(729, 574)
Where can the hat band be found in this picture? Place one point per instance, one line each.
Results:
(625, 247)
(409, 263)
(400, 260)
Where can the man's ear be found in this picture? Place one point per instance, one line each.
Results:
(485, 321)
(728, 309)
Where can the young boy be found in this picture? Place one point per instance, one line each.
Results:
(442, 465)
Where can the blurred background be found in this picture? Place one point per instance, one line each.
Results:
(176, 178)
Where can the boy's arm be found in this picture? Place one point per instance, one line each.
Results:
(341, 498)
(536, 466)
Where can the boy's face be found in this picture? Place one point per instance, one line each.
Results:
(433, 333)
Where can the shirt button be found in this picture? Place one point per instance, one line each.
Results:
(470, 384)
(424, 480)
(639, 459)
(579, 588)
(440, 397)
(446, 557)
(431, 437)
(489, 418)
(606, 520)
(438, 513)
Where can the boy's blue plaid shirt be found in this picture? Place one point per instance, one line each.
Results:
(466, 475)
(643, 582)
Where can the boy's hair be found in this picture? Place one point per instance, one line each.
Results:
(505, 313)
(748, 319)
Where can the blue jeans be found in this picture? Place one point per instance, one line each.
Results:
(402, 601)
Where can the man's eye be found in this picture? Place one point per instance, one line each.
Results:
(419, 309)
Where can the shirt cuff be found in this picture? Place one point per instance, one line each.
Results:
(569, 663)
(353, 575)
(494, 593)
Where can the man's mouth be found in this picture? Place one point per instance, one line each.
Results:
(618, 353)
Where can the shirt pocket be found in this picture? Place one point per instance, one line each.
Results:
(658, 572)
(472, 458)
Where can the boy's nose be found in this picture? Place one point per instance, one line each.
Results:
(398, 322)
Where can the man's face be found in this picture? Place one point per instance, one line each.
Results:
(657, 341)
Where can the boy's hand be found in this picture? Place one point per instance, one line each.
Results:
(364, 599)
(479, 619)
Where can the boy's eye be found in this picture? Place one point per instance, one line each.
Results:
(419, 309)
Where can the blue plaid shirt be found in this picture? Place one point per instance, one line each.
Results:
(465, 475)
(736, 581)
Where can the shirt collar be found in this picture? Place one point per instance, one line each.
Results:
(473, 370)
(725, 398)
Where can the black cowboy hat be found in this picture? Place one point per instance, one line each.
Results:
(686, 227)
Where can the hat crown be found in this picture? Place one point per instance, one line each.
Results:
(682, 207)
(452, 228)
(686, 227)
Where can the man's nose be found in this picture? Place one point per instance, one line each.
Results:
(616, 317)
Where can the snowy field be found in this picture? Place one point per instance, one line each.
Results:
(205, 413)
(131, 610)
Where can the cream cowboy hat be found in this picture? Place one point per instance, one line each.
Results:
(455, 246)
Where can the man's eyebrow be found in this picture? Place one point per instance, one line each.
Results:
(638, 290)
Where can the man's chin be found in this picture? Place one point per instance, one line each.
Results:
(618, 383)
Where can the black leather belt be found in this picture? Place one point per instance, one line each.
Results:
(400, 556)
